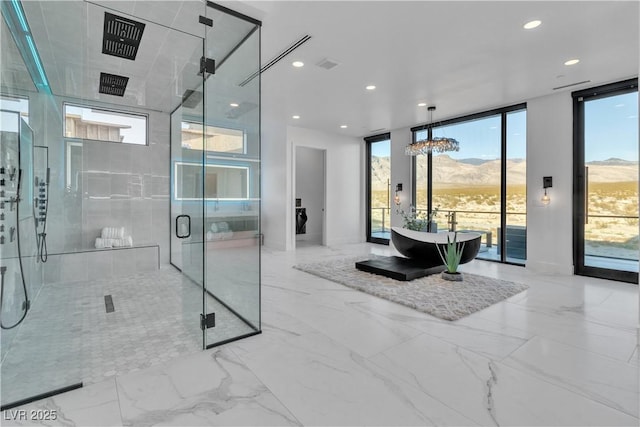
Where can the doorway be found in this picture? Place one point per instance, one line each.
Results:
(309, 219)
(606, 181)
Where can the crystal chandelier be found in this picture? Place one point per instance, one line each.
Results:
(436, 144)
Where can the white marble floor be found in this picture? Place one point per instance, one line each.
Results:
(68, 337)
(564, 352)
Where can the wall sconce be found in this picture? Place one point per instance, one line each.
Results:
(396, 199)
(547, 182)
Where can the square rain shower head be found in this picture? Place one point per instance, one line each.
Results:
(112, 84)
(121, 36)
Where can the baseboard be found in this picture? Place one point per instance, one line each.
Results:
(549, 268)
(316, 237)
(345, 241)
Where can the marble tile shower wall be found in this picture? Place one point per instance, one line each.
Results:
(126, 186)
(117, 184)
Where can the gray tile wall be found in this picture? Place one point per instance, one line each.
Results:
(120, 185)
(100, 264)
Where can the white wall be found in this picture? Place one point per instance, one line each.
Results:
(400, 172)
(275, 177)
(344, 208)
(309, 186)
(550, 153)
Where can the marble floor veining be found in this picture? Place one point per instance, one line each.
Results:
(562, 353)
(69, 337)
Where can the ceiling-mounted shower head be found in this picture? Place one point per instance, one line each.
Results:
(112, 84)
(121, 36)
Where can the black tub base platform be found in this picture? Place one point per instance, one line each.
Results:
(397, 268)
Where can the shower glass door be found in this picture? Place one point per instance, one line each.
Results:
(215, 161)
(232, 176)
(187, 206)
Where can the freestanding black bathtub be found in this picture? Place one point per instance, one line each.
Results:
(422, 247)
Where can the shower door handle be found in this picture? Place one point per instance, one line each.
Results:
(183, 226)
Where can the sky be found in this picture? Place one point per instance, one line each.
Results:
(479, 138)
(611, 130)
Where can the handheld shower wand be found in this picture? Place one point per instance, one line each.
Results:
(26, 305)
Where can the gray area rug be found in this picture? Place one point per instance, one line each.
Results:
(431, 294)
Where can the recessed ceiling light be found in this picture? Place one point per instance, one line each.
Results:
(532, 24)
(298, 64)
(370, 87)
(234, 105)
(295, 117)
(343, 126)
(422, 104)
(572, 62)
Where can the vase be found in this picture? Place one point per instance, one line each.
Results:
(452, 277)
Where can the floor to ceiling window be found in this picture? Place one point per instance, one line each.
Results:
(481, 187)
(379, 188)
(606, 181)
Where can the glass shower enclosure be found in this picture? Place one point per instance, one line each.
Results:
(215, 179)
(191, 195)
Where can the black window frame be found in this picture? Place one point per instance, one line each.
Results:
(502, 112)
(579, 98)
(368, 141)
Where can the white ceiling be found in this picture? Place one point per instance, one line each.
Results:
(14, 73)
(69, 36)
(463, 57)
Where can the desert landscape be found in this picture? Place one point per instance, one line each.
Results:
(471, 187)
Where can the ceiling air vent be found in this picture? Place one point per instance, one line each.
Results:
(277, 59)
(121, 36)
(112, 84)
(327, 64)
(572, 84)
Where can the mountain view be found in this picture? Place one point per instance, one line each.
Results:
(448, 171)
(471, 186)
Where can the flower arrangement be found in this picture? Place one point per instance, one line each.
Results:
(418, 221)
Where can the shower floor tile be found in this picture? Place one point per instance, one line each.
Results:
(68, 337)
